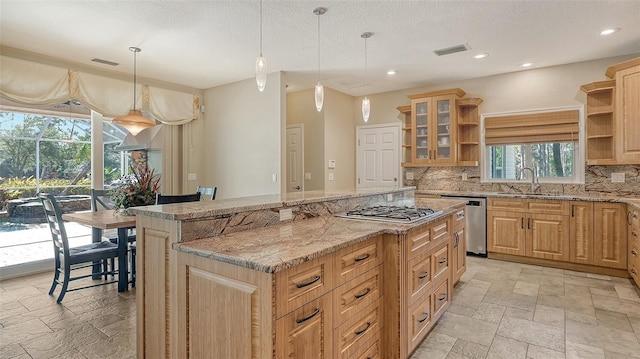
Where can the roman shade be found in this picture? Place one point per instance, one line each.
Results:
(33, 83)
(540, 127)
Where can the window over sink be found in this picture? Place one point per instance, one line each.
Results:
(550, 142)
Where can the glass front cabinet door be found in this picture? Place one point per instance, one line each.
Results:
(433, 129)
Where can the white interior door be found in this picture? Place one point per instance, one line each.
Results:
(377, 159)
(295, 158)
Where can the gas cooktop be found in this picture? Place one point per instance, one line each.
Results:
(395, 214)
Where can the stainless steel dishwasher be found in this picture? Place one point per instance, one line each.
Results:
(476, 214)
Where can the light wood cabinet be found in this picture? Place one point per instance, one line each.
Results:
(468, 140)
(613, 116)
(306, 332)
(581, 233)
(539, 229)
(610, 244)
(633, 235)
(459, 247)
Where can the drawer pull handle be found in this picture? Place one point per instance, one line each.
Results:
(304, 319)
(634, 233)
(633, 270)
(365, 292)
(442, 297)
(442, 261)
(358, 332)
(460, 214)
(424, 275)
(361, 258)
(426, 316)
(634, 252)
(315, 279)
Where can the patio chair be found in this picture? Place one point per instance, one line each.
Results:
(207, 191)
(72, 258)
(177, 198)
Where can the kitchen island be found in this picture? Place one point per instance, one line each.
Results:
(314, 286)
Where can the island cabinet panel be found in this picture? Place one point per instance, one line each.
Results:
(419, 322)
(350, 336)
(549, 237)
(307, 331)
(611, 235)
(354, 296)
(227, 310)
(459, 253)
(581, 233)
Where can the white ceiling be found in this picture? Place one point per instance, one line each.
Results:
(203, 44)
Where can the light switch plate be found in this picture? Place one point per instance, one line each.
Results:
(465, 177)
(330, 176)
(286, 214)
(307, 175)
(332, 163)
(617, 177)
(192, 176)
(409, 175)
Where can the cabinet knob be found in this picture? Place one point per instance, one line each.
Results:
(634, 252)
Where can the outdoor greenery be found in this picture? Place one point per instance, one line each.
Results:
(550, 160)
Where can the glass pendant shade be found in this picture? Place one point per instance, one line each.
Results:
(319, 96)
(134, 122)
(261, 72)
(366, 109)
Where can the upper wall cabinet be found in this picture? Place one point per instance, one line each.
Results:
(441, 129)
(613, 116)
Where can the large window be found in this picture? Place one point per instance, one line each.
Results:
(549, 143)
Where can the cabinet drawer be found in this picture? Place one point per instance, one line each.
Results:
(633, 217)
(506, 203)
(372, 349)
(441, 261)
(441, 298)
(634, 255)
(549, 207)
(418, 240)
(459, 219)
(350, 298)
(441, 230)
(634, 270)
(420, 275)
(419, 322)
(349, 336)
(358, 259)
(303, 283)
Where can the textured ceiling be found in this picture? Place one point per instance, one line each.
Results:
(203, 44)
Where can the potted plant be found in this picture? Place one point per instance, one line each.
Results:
(137, 189)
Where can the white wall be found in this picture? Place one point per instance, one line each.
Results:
(241, 138)
(339, 139)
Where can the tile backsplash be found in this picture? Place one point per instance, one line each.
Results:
(597, 181)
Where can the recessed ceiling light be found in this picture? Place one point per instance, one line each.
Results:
(392, 72)
(609, 31)
(481, 56)
(527, 64)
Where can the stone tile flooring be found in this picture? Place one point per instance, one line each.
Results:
(500, 310)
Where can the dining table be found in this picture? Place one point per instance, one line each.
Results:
(109, 219)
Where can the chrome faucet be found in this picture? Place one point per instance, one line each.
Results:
(535, 183)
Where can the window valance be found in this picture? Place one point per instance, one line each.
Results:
(542, 127)
(34, 83)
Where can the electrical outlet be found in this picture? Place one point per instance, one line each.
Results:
(307, 176)
(274, 177)
(286, 214)
(617, 177)
(389, 197)
(465, 177)
(330, 176)
(192, 176)
(409, 175)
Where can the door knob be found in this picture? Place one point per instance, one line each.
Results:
(296, 187)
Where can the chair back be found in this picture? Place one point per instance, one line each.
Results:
(101, 200)
(207, 191)
(177, 198)
(56, 225)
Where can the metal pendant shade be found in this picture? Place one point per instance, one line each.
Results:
(261, 62)
(134, 121)
(319, 92)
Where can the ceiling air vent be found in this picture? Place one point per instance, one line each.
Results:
(105, 62)
(451, 49)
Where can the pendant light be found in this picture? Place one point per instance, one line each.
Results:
(261, 62)
(134, 122)
(319, 92)
(366, 105)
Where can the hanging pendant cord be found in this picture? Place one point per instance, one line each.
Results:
(135, 75)
(365, 55)
(260, 28)
(318, 47)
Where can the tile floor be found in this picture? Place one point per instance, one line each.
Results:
(500, 310)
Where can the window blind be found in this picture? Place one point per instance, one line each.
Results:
(542, 127)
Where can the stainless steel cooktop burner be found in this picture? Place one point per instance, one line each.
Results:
(396, 214)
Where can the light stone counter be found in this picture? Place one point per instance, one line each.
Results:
(207, 209)
(274, 248)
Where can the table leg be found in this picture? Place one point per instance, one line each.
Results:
(96, 236)
(123, 270)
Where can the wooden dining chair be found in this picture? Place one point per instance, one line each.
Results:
(207, 191)
(68, 258)
(177, 198)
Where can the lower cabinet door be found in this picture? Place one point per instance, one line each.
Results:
(610, 235)
(306, 331)
(506, 232)
(548, 236)
(419, 322)
(459, 263)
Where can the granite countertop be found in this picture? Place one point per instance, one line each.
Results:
(565, 197)
(274, 248)
(204, 209)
